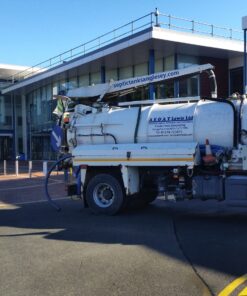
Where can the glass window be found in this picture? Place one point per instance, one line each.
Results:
(141, 69)
(84, 80)
(38, 102)
(6, 147)
(20, 145)
(169, 63)
(190, 86)
(111, 75)
(95, 78)
(6, 112)
(236, 80)
(19, 120)
(49, 92)
(185, 61)
(159, 65)
(125, 72)
(55, 88)
(43, 94)
(62, 84)
(72, 83)
(141, 93)
(39, 126)
(164, 89)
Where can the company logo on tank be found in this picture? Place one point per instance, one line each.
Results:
(171, 126)
(170, 119)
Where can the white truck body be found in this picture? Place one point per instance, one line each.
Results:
(158, 123)
(187, 148)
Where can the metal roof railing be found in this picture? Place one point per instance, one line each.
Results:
(192, 26)
(144, 22)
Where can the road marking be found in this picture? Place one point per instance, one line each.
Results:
(234, 285)
(6, 205)
(243, 292)
(40, 200)
(29, 186)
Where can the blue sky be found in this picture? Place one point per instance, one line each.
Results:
(34, 30)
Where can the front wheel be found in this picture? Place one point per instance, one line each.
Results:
(105, 194)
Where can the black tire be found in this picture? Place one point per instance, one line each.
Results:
(105, 194)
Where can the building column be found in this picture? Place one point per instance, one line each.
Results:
(151, 70)
(24, 124)
(14, 126)
(176, 82)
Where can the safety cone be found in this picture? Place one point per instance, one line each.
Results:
(208, 150)
(208, 159)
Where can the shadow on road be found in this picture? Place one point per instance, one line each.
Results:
(208, 234)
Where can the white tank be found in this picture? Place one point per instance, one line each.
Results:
(183, 122)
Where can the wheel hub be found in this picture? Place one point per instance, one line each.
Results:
(107, 194)
(103, 195)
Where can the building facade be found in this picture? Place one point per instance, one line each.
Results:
(153, 43)
(12, 119)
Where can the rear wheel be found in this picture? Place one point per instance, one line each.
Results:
(105, 194)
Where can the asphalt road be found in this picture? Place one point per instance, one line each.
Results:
(181, 248)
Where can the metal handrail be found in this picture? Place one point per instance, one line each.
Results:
(151, 19)
(194, 23)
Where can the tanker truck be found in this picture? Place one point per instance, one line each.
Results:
(179, 148)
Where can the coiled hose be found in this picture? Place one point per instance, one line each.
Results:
(53, 203)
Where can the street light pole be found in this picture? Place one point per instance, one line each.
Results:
(244, 27)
